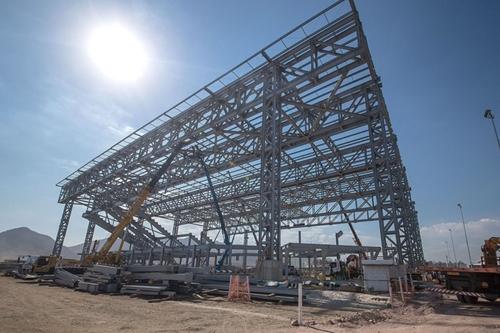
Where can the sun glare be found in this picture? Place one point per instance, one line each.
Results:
(117, 52)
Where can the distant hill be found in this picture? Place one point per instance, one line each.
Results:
(24, 241)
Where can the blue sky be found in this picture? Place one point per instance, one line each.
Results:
(438, 61)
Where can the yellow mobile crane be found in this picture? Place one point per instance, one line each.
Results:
(104, 256)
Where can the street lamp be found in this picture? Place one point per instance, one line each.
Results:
(453, 246)
(337, 236)
(488, 114)
(447, 253)
(465, 232)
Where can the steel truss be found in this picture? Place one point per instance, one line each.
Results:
(298, 135)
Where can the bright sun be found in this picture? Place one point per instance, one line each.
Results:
(117, 52)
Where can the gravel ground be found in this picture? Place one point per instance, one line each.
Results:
(28, 307)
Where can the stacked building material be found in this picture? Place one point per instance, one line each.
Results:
(147, 290)
(7, 266)
(206, 278)
(158, 280)
(156, 273)
(23, 276)
(256, 292)
(218, 284)
(100, 278)
(64, 278)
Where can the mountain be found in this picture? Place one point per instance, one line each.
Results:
(76, 248)
(24, 241)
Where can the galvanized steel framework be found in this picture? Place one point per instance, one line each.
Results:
(298, 135)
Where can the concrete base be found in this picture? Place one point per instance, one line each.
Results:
(271, 270)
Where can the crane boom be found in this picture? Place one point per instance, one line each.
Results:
(219, 214)
(135, 207)
(126, 220)
(354, 233)
(104, 252)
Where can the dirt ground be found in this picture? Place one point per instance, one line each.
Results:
(28, 307)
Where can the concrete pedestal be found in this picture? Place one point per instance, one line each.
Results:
(271, 270)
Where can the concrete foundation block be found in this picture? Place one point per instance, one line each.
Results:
(271, 270)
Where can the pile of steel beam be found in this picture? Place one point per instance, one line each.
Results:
(64, 278)
(276, 294)
(137, 273)
(146, 290)
(218, 284)
(157, 280)
(100, 278)
(219, 278)
(8, 266)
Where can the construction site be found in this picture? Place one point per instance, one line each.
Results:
(195, 204)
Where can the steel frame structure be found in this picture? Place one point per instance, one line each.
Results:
(297, 135)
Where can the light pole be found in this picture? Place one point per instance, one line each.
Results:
(465, 232)
(453, 246)
(488, 114)
(337, 236)
(447, 253)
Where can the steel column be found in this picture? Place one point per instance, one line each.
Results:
(63, 227)
(87, 244)
(270, 169)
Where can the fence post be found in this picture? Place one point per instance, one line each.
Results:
(390, 291)
(300, 304)
(401, 290)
